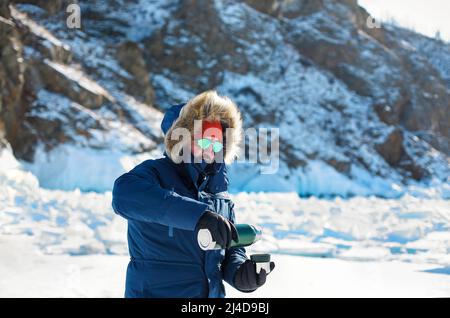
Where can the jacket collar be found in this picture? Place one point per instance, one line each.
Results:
(216, 172)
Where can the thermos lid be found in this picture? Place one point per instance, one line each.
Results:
(260, 258)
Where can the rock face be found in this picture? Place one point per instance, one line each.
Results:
(51, 7)
(12, 77)
(130, 57)
(392, 148)
(341, 91)
(72, 83)
(383, 65)
(48, 98)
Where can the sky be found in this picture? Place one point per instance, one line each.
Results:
(423, 16)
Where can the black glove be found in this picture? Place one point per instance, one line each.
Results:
(222, 230)
(247, 280)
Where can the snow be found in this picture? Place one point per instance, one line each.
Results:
(102, 127)
(315, 277)
(77, 76)
(356, 228)
(104, 276)
(322, 179)
(70, 167)
(178, 95)
(48, 38)
(436, 52)
(146, 16)
(315, 179)
(25, 272)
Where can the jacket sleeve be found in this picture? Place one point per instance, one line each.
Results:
(138, 195)
(234, 256)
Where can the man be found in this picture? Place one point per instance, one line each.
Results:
(167, 201)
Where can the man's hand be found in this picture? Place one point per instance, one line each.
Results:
(222, 230)
(247, 280)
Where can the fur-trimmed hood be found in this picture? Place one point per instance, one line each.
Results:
(206, 106)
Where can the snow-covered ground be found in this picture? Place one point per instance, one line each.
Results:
(70, 243)
(26, 272)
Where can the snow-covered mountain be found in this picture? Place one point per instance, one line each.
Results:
(360, 110)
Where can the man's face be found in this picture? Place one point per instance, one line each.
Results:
(207, 144)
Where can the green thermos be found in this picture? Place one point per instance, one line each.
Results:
(247, 235)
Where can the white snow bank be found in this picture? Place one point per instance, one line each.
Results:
(70, 167)
(315, 179)
(320, 179)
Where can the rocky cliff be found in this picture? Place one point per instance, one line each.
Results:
(354, 98)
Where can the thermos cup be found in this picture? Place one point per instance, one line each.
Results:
(262, 261)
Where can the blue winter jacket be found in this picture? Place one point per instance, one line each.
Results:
(162, 202)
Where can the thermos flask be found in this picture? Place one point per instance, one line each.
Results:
(247, 235)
